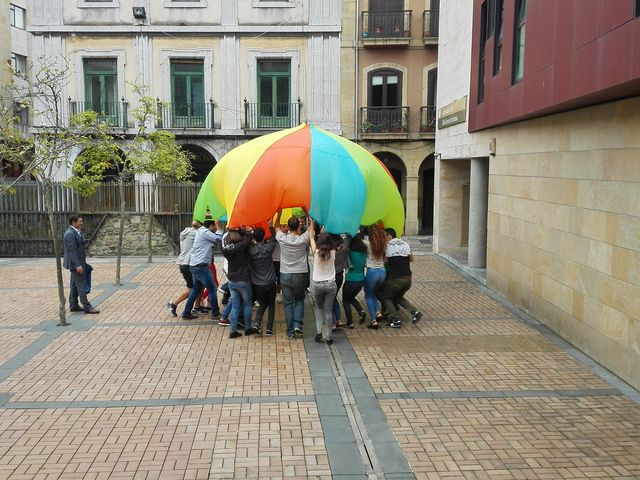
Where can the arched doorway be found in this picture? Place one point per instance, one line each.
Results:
(202, 161)
(426, 193)
(397, 170)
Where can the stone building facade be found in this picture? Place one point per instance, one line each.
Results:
(389, 59)
(542, 167)
(223, 72)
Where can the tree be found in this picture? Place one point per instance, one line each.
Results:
(57, 135)
(156, 153)
(147, 151)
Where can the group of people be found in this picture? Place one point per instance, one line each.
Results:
(257, 263)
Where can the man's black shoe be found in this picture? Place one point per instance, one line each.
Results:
(76, 309)
(92, 310)
(235, 335)
(189, 317)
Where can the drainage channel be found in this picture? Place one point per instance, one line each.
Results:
(359, 441)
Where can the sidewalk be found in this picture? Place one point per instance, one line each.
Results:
(473, 391)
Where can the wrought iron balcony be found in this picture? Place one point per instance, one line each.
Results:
(428, 119)
(112, 113)
(395, 24)
(271, 116)
(376, 120)
(186, 115)
(430, 19)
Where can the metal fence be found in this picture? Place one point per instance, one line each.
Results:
(384, 120)
(24, 224)
(430, 20)
(186, 115)
(271, 116)
(112, 113)
(428, 119)
(390, 24)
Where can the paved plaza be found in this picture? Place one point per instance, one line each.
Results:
(476, 390)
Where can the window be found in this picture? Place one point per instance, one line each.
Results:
(17, 16)
(20, 114)
(274, 93)
(185, 3)
(187, 93)
(497, 45)
(637, 8)
(384, 105)
(101, 87)
(483, 44)
(98, 3)
(518, 40)
(18, 63)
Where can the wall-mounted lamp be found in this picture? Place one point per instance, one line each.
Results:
(492, 147)
(139, 13)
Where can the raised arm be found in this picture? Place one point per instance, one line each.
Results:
(312, 235)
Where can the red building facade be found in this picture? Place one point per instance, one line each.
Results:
(535, 57)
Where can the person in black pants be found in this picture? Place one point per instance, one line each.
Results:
(354, 280)
(263, 277)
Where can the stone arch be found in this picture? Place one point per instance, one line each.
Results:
(398, 170)
(426, 192)
(203, 160)
(110, 174)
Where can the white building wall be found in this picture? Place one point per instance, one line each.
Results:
(454, 72)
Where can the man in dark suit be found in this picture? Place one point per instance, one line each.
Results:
(75, 260)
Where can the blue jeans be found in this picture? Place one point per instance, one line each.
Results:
(240, 299)
(202, 278)
(294, 289)
(373, 281)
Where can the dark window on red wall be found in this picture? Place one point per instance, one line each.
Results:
(518, 40)
(637, 8)
(497, 45)
(483, 45)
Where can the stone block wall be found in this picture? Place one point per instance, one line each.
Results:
(135, 237)
(564, 227)
(450, 175)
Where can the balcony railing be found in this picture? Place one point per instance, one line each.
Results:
(428, 119)
(271, 116)
(395, 24)
(430, 19)
(111, 113)
(384, 120)
(186, 115)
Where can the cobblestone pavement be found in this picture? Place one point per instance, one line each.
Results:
(475, 390)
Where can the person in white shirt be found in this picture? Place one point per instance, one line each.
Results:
(324, 282)
(187, 236)
(294, 273)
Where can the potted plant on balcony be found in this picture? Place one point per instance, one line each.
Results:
(366, 126)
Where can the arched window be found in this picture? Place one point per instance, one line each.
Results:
(385, 88)
(384, 112)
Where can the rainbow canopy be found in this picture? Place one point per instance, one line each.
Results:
(338, 182)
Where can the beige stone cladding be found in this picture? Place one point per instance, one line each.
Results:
(453, 175)
(564, 227)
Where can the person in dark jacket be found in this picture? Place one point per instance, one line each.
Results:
(234, 249)
(263, 277)
(75, 260)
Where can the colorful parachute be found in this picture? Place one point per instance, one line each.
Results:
(338, 182)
